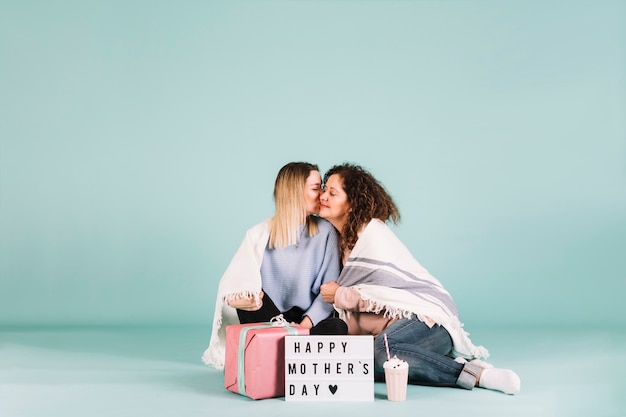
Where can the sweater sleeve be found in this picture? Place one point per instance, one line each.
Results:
(348, 298)
(329, 271)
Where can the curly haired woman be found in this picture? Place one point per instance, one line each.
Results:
(383, 289)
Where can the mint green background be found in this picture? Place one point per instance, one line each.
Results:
(139, 140)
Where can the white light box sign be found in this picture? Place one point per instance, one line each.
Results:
(329, 368)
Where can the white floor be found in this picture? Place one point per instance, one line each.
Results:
(72, 372)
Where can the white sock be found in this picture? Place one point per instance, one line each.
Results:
(476, 362)
(498, 379)
(480, 363)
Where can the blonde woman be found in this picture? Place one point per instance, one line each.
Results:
(281, 264)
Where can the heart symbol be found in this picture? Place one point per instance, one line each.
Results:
(333, 388)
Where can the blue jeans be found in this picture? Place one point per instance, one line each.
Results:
(426, 351)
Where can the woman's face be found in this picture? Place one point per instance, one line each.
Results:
(334, 205)
(312, 192)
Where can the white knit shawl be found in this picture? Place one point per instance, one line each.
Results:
(241, 279)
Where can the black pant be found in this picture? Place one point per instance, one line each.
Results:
(329, 326)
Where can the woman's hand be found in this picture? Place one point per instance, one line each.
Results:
(246, 304)
(328, 291)
(306, 322)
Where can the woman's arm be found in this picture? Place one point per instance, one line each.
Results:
(345, 298)
(326, 250)
(246, 304)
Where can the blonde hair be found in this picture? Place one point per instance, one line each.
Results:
(291, 212)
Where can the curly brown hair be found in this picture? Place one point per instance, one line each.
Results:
(368, 199)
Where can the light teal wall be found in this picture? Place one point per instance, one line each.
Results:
(139, 140)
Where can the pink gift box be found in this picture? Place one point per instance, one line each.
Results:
(255, 358)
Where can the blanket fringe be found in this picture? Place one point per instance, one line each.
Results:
(387, 311)
(215, 353)
(212, 358)
(452, 324)
(246, 295)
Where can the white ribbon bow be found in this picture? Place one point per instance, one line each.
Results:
(279, 321)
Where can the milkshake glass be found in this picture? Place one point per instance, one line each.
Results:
(396, 378)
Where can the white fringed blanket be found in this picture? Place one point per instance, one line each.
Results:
(241, 279)
(387, 275)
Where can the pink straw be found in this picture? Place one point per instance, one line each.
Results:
(387, 346)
